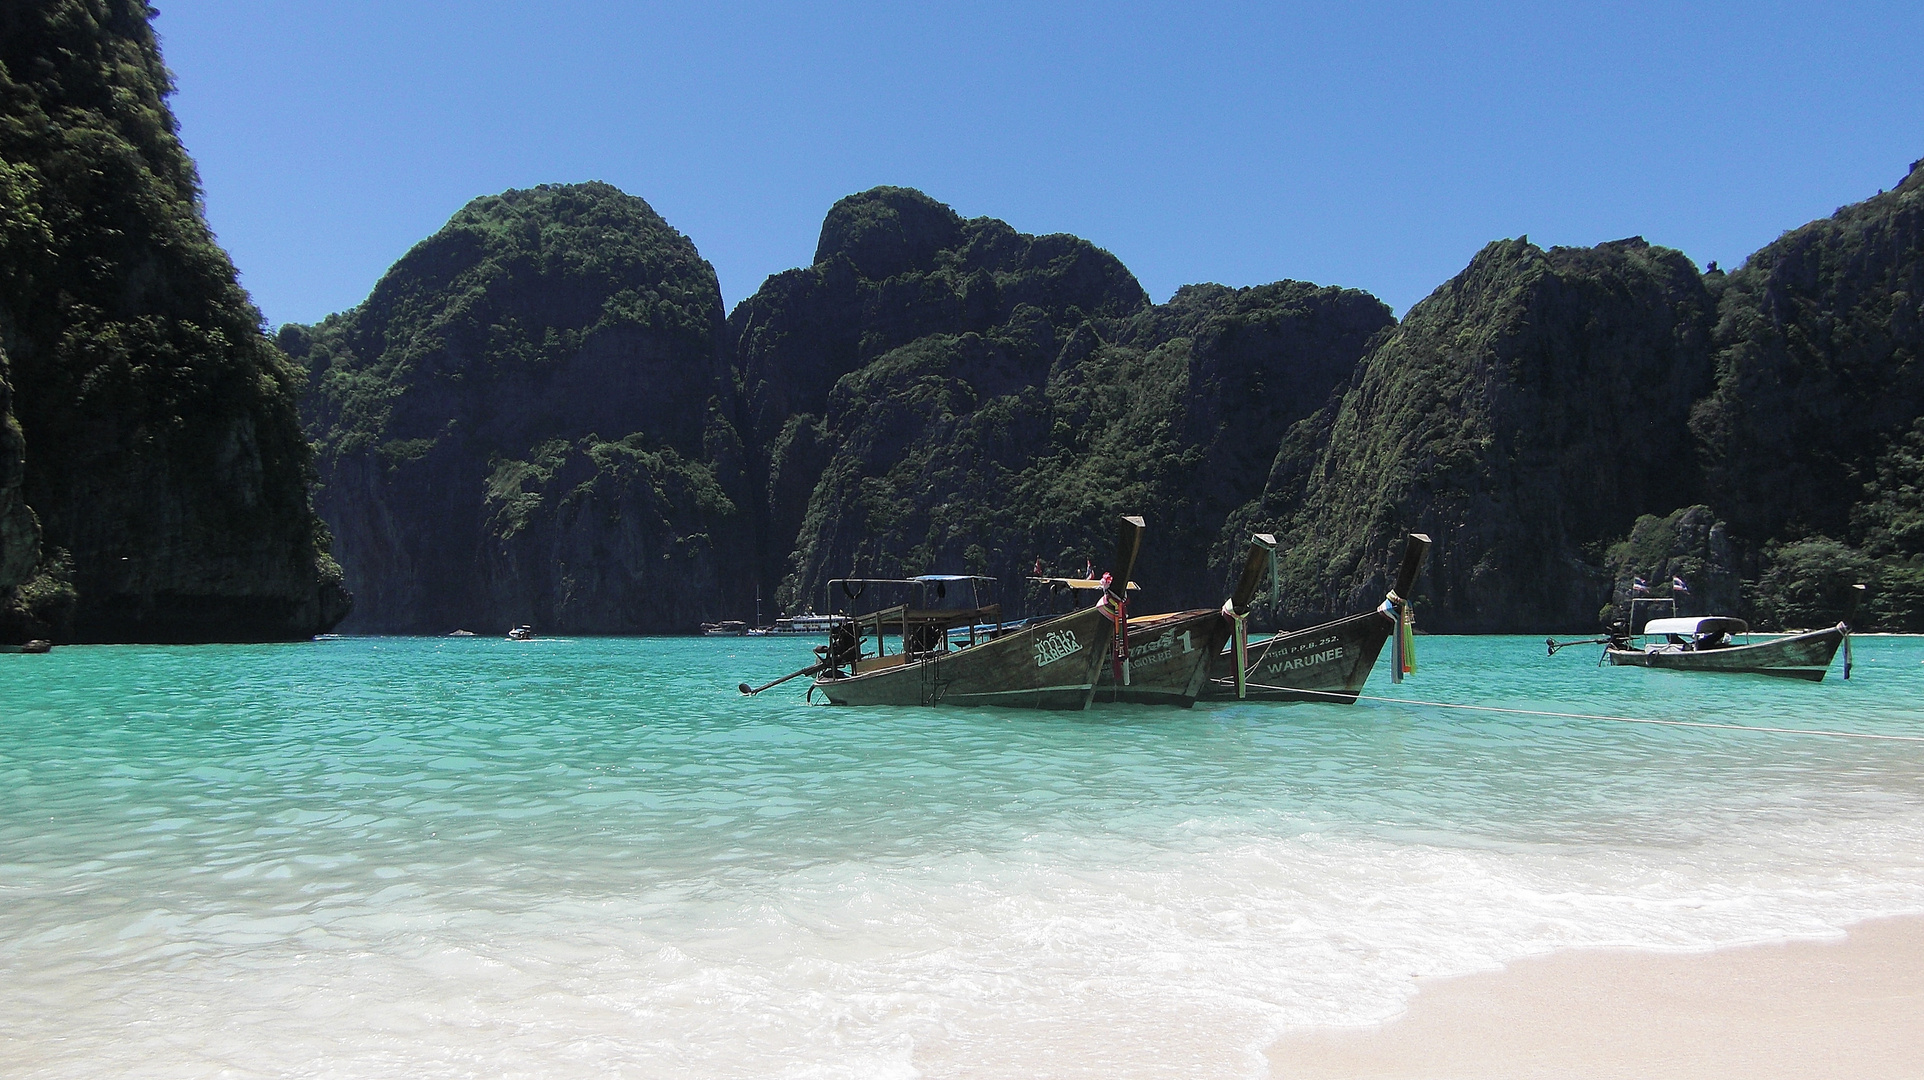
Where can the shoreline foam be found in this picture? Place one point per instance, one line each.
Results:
(1799, 1008)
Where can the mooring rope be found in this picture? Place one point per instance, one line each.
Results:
(1596, 716)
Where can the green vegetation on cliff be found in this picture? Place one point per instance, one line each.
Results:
(1524, 415)
(528, 420)
(539, 414)
(19, 529)
(989, 398)
(162, 451)
(1820, 364)
(1544, 414)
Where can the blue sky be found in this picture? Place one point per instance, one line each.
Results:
(1368, 145)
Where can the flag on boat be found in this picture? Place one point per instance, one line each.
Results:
(1677, 585)
(1639, 585)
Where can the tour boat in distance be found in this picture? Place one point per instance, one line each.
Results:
(521, 633)
(807, 624)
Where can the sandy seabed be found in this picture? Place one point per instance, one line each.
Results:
(1849, 1008)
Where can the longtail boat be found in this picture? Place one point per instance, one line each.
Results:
(1329, 662)
(1706, 644)
(1048, 664)
(1166, 657)
(1709, 643)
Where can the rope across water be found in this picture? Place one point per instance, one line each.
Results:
(1597, 716)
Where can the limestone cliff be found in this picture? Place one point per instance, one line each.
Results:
(990, 398)
(19, 529)
(529, 420)
(1820, 365)
(162, 452)
(1524, 415)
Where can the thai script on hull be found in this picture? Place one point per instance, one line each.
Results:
(1054, 646)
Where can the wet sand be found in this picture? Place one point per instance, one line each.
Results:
(1849, 1008)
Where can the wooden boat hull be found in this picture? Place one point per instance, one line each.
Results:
(1168, 658)
(1801, 656)
(1330, 662)
(1050, 665)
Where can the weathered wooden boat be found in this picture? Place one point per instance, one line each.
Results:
(1709, 644)
(1330, 662)
(1051, 664)
(1168, 655)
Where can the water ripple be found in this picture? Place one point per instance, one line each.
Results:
(446, 858)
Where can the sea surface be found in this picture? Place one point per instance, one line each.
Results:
(394, 857)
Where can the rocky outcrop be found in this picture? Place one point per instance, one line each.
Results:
(990, 399)
(1690, 546)
(1524, 415)
(1813, 438)
(1820, 366)
(895, 267)
(164, 457)
(19, 529)
(529, 421)
(540, 416)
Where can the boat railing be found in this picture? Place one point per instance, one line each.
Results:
(921, 631)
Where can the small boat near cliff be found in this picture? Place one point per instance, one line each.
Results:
(1709, 643)
(1044, 664)
(1329, 662)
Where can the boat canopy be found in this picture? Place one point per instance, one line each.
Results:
(1709, 624)
(951, 577)
(1084, 584)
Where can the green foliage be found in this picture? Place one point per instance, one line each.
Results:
(512, 288)
(968, 396)
(1820, 363)
(458, 414)
(1690, 544)
(1522, 415)
(19, 527)
(1810, 583)
(1891, 519)
(621, 536)
(156, 415)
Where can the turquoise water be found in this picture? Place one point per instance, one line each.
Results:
(469, 857)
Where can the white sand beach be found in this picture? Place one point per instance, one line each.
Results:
(1849, 1008)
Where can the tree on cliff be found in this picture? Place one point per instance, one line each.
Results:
(163, 453)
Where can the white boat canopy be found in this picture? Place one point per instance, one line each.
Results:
(1709, 624)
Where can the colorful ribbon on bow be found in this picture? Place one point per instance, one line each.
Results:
(1239, 634)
